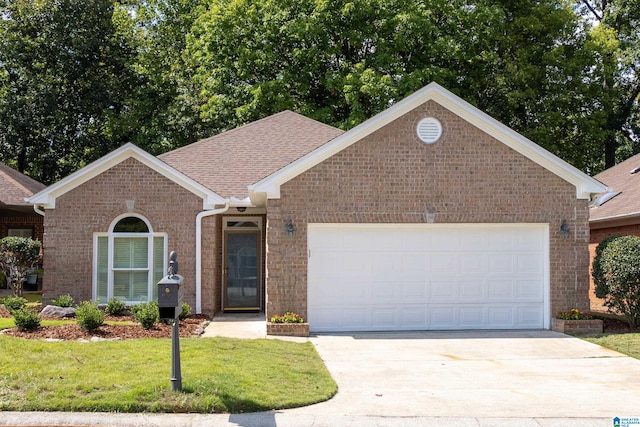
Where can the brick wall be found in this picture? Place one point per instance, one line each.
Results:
(392, 177)
(13, 220)
(92, 207)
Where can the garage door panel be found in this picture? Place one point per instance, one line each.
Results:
(427, 276)
(529, 263)
(443, 291)
(529, 290)
(413, 318)
(500, 290)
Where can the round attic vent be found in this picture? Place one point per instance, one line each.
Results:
(429, 130)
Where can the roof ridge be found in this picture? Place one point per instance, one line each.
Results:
(244, 127)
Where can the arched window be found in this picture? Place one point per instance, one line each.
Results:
(128, 261)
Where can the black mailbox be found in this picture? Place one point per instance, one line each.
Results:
(170, 292)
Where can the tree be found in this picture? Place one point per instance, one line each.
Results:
(66, 76)
(615, 40)
(342, 62)
(616, 275)
(18, 255)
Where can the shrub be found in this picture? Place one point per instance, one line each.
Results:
(288, 317)
(574, 314)
(115, 307)
(186, 311)
(14, 303)
(63, 301)
(89, 316)
(147, 314)
(26, 319)
(18, 255)
(616, 275)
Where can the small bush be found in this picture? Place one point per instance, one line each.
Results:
(186, 311)
(147, 314)
(288, 317)
(89, 316)
(574, 314)
(14, 303)
(26, 319)
(115, 307)
(616, 274)
(63, 301)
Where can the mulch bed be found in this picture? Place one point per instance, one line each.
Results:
(614, 326)
(192, 326)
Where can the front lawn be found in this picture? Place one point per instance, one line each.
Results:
(628, 344)
(219, 375)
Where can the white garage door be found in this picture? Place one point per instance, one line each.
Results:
(384, 277)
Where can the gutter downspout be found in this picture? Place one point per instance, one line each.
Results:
(199, 251)
(38, 210)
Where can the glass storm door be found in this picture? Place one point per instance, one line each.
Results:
(242, 269)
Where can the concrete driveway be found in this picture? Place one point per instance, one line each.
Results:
(528, 374)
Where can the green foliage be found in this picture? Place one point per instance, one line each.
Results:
(574, 314)
(147, 314)
(26, 318)
(14, 302)
(89, 316)
(186, 311)
(115, 307)
(288, 317)
(18, 255)
(63, 301)
(222, 375)
(616, 275)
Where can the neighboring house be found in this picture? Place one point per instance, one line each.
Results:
(616, 212)
(17, 217)
(430, 215)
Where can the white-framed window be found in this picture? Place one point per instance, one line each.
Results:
(20, 232)
(128, 261)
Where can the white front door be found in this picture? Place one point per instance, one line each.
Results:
(377, 277)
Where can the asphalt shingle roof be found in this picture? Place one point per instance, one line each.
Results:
(15, 186)
(620, 179)
(228, 162)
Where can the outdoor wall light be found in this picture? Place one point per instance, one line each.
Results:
(564, 229)
(290, 229)
(430, 216)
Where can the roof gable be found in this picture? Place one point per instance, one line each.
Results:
(585, 185)
(229, 162)
(625, 185)
(15, 186)
(47, 197)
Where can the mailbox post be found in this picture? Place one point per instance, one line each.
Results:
(170, 293)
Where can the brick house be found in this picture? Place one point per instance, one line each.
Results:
(17, 217)
(430, 215)
(616, 212)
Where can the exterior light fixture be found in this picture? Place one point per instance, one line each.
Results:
(430, 216)
(290, 229)
(564, 229)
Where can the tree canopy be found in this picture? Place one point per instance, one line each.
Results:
(81, 77)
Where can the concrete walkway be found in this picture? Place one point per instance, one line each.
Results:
(528, 378)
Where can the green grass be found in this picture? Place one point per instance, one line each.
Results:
(219, 375)
(628, 344)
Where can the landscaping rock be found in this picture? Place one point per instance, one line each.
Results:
(55, 311)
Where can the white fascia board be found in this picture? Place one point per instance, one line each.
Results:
(585, 185)
(47, 197)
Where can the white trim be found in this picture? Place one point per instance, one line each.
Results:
(584, 184)
(47, 197)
